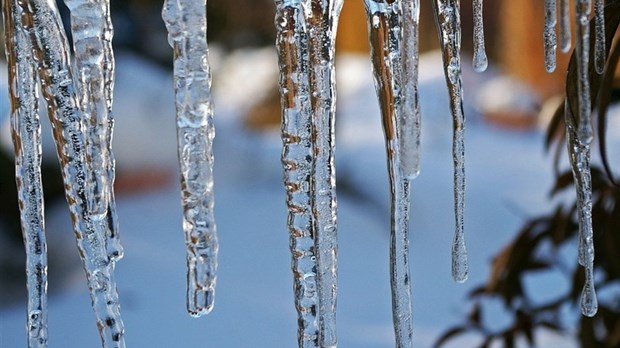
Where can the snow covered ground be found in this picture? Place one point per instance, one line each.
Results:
(507, 176)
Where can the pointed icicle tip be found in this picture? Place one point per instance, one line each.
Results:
(460, 266)
(480, 62)
(589, 302)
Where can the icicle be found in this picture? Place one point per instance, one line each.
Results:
(551, 41)
(410, 121)
(93, 56)
(579, 155)
(50, 49)
(599, 36)
(322, 22)
(448, 20)
(565, 35)
(297, 159)
(480, 56)
(582, 48)
(187, 24)
(385, 22)
(26, 133)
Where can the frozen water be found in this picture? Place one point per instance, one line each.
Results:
(186, 21)
(565, 33)
(50, 50)
(551, 41)
(322, 23)
(410, 120)
(447, 16)
(297, 159)
(94, 62)
(600, 52)
(582, 53)
(26, 133)
(579, 154)
(480, 56)
(385, 23)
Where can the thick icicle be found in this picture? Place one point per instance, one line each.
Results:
(582, 52)
(50, 49)
(448, 20)
(385, 22)
(565, 34)
(186, 22)
(551, 41)
(579, 155)
(26, 133)
(322, 22)
(409, 135)
(92, 34)
(600, 54)
(480, 56)
(297, 160)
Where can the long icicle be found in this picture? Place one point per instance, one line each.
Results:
(551, 41)
(579, 156)
(322, 23)
(186, 22)
(447, 16)
(26, 133)
(481, 62)
(564, 18)
(600, 53)
(50, 49)
(297, 160)
(91, 31)
(410, 120)
(115, 249)
(385, 22)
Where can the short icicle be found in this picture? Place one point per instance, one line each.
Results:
(50, 49)
(481, 62)
(385, 21)
(550, 38)
(186, 22)
(26, 133)
(91, 31)
(322, 23)
(600, 53)
(297, 160)
(582, 53)
(410, 130)
(564, 19)
(447, 16)
(579, 156)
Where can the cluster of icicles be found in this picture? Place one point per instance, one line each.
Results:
(78, 95)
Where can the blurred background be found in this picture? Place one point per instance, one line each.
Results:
(508, 108)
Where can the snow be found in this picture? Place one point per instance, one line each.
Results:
(507, 179)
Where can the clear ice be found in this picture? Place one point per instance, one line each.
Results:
(551, 41)
(322, 23)
(480, 56)
(297, 160)
(26, 133)
(565, 34)
(579, 155)
(600, 54)
(92, 32)
(186, 21)
(409, 135)
(447, 16)
(385, 23)
(40, 18)
(306, 46)
(582, 53)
